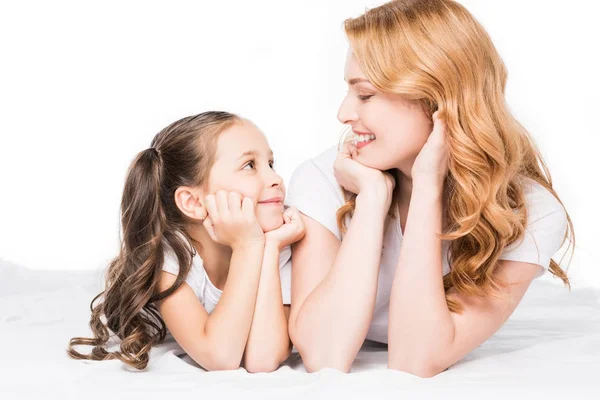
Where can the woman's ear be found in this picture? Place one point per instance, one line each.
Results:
(190, 202)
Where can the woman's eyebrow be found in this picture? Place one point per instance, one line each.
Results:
(354, 81)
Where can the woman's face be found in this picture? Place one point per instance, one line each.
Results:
(244, 164)
(389, 130)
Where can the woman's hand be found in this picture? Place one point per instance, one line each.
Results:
(431, 165)
(359, 179)
(290, 232)
(231, 220)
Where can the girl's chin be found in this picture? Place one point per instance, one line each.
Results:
(270, 224)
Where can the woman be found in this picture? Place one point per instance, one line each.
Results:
(426, 228)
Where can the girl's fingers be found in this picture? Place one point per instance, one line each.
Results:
(212, 209)
(223, 205)
(248, 207)
(208, 225)
(235, 204)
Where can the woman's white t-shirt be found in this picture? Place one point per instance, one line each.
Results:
(315, 191)
(208, 294)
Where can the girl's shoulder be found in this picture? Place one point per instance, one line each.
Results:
(196, 277)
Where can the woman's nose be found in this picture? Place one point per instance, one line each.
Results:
(346, 113)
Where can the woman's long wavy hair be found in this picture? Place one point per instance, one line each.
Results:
(179, 155)
(433, 52)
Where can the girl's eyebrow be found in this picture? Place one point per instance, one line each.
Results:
(253, 153)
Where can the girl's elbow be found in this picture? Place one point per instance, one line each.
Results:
(255, 363)
(221, 362)
(255, 366)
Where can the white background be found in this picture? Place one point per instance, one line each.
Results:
(83, 87)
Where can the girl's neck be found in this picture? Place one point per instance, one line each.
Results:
(215, 257)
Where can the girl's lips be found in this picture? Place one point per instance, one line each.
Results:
(276, 201)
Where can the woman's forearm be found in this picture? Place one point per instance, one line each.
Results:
(333, 321)
(420, 324)
(268, 343)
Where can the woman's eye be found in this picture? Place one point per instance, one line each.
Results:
(250, 164)
(364, 97)
(272, 164)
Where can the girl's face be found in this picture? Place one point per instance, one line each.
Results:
(244, 164)
(399, 128)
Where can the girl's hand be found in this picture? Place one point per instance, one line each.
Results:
(431, 165)
(357, 178)
(290, 232)
(231, 220)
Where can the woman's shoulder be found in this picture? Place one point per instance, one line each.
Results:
(540, 201)
(316, 175)
(319, 164)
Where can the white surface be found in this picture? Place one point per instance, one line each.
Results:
(85, 85)
(549, 348)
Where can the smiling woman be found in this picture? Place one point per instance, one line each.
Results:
(437, 209)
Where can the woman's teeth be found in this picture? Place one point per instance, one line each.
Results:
(362, 138)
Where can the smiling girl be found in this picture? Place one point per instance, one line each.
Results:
(205, 251)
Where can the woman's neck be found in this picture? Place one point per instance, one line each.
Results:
(215, 257)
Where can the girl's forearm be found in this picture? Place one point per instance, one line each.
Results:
(228, 326)
(268, 342)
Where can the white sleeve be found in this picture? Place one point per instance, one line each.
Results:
(285, 273)
(542, 239)
(315, 195)
(193, 279)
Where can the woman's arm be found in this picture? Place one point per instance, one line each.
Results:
(424, 337)
(216, 341)
(334, 285)
(268, 343)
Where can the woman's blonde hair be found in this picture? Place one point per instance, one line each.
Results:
(434, 52)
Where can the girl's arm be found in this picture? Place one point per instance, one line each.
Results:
(216, 341)
(268, 343)
(424, 337)
(334, 285)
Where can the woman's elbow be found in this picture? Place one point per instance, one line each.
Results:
(420, 369)
(315, 359)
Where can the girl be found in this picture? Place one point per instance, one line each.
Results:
(438, 211)
(203, 226)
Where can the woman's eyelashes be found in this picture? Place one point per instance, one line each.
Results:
(364, 97)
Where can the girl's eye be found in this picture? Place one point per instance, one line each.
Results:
(364, 97)
(251, 163)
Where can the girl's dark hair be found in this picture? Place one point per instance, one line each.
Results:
(179, 155)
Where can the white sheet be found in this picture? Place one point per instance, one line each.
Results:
(549, 347)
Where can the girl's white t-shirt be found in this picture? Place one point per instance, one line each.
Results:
(315, 191)
(208, 294)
